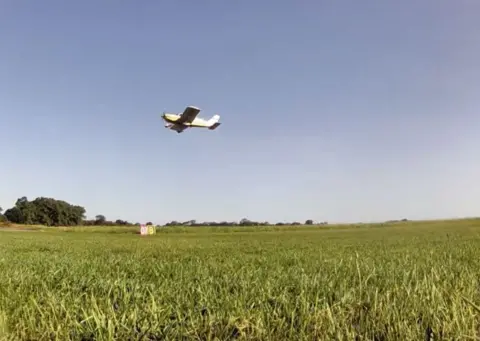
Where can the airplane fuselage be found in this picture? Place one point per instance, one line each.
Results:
(173, 118)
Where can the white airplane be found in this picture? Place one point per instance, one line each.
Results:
(189, 119)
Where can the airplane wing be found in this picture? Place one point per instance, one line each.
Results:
(188, 115)
(178, 128)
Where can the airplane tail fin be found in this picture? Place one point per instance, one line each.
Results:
(213, 122)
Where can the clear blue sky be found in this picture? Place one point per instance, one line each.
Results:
(332, 110)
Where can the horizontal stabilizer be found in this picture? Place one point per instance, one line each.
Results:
(214, 126)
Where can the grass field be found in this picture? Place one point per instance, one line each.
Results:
(401, 281)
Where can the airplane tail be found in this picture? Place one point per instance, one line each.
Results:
(213, 122)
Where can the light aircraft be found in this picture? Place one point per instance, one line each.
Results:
(189, 119)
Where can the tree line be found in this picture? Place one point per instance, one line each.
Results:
(53, 212)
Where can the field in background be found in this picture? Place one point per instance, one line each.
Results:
(397, 281)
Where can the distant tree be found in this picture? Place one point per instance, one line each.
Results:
(45, 211)
(3, 219)
(309, 222)
(22, 213)
(245, 222)
(173, 223)
(100, 219)
(14, 215)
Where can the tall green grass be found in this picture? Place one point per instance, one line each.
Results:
(395, 282)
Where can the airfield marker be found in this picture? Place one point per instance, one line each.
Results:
(147, 230)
